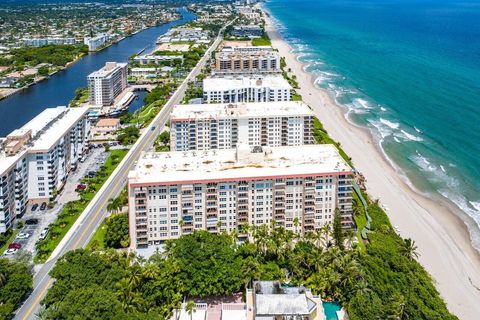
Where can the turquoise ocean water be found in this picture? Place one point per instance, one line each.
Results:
(409, 71)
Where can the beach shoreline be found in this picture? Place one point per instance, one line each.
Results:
(442, 237)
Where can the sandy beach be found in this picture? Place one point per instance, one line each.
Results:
(441, 236)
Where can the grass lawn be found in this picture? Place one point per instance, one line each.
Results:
(9, 240)
(98, 237)
(361, 221)
(263, 41)
(72, 210)
(147, 113)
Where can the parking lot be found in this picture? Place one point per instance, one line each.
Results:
(43, 218)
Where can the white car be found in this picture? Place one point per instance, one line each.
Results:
(23, 235)
(43, 234)
(10, 252)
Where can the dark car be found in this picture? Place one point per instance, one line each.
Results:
(14, 245)
(31, 221)
(34, 207)
(43, 206)
(81, 187)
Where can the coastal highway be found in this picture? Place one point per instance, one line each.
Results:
(83, 229)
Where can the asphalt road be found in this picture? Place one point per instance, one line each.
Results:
(80, 234)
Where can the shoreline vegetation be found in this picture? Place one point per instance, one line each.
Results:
(444, 246)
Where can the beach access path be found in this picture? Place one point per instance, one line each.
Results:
(442, 237)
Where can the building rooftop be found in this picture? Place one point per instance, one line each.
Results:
(39, 134)
(236, 164)
(227, 53)
(221, 84)
(7, 162)
(107, 70)
(240, 110)
(273, 299)
(52, 131)
(108, 122)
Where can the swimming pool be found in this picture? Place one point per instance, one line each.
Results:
(330, 309)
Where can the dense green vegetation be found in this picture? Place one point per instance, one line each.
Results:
(321, 136)
(72, 210)
(383, 282)
(128, 135)
(116, 234)
(15, 285)
(162, 143)
(160, 93)
(57, 55)
(193, 91)
(81, 96)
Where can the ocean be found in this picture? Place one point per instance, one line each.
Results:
(410, 72)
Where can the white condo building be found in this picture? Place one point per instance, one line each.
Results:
(246, 89)
(96, 42)
(36, 159)
(223, 126)
(106, 84)
(174, 193)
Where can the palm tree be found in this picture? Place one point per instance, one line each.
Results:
(127, 297)
(135, 276)
(409, 249)
(325, 235)
(296, 223)
(150, 271)
(190, 308)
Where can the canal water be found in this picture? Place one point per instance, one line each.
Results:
(19, 108)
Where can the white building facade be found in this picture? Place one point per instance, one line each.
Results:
(36, 159)
(223, 126)
(246, 89)
(62, 140)
(299, 188)
(106, 84)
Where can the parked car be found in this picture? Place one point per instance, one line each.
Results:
(32, 221)
(81, 186)
(34, 207)
(10, 252)
(43, 206)
(43, 234)
(14, 245)
(23, 235)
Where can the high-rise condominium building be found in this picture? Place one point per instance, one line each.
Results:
(172, 194)
(247, 61)
(223, 126)
(106, 84)
(246, 89)
(36, 159)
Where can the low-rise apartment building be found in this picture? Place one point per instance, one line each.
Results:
(238, 60)
(37, 42)
(172, 194)
(36, 159)
(156, 59)
(224, 126)
(106, 84)
(246, 89)
(247, 31)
